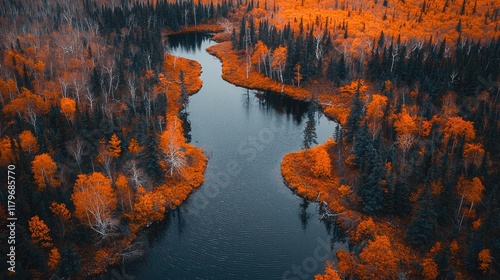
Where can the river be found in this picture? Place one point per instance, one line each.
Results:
(243, 222)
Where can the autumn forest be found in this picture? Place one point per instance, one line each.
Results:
(96, 149)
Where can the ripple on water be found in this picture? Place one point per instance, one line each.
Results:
(252, 229)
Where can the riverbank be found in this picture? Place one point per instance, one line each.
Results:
(335, 104)
(179, 79)
(314, 174)
(319, 174)
(241, 184)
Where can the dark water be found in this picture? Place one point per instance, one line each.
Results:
(243, 222)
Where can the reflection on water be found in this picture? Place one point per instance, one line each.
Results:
(189, 42)
(252, 226)
(304, 215)
(310, 136)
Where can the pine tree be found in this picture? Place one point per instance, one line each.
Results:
(354, 118)
(421, 230)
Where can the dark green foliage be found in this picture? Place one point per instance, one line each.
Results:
(370, 189)
(70, 263)
(310, 135)
(352, 125)
(422, 229)
(150, 158)
(401, 198)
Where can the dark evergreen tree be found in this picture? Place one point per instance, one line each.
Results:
(421, 230)
(370, 189)
(70, 263)
(357, 111)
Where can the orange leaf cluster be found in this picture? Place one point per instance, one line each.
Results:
(233, 70)
(378, 260)
(60, 210)
(68, 108)
(94, 199)
(29, 142)
(54, 259)
(149, 206)
(6, 156)
(44, 170)
(484, 259)
(134, 147)
(40, 232)
(330, 273)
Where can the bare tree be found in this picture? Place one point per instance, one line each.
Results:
(394, 54)
(318, 39)
(76, 147)
(248, 51)
(172, 151)
(90, 97)
(131, 85)
(112, 78)
(136, 174)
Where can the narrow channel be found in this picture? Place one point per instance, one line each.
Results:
(243, 222)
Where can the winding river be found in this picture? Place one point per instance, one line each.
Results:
(243, 222)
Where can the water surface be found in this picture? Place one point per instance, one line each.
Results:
(243, 222)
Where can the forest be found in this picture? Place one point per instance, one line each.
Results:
(95, 143)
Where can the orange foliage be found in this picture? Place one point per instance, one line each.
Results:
(472, 190)
(473, 153)
(7, 90)
(60, 210)
(102, 260)
(484, 259)
(319, 162)
(330, 273)
(94, 201)
(68, 108)
(404, 18)
(6, 155)
(436, 188)
(346, 262)
(123, 191)
(148, 206)
(345, 190)
(114, 146)
(301, 173)
(378, 260)
(134, 146)
(477, 224)
(430, 268)
(177, 190)
(375, 111)
(260, 54)
(406, 129)
(181, 76)
(28, 106)
(454, 247)
(54, 259)
(44, 171)
(29, 142)
(365, 231)
(455, 128)
(278, 60)
(171, 144)
(425, 129)
(337, 104)
(40, 232)
(233, 71)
